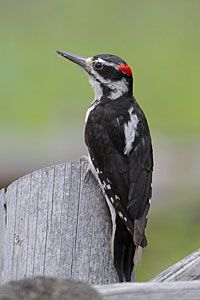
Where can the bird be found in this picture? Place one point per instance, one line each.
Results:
(120, 154)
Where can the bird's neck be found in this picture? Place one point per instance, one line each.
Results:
(111, 90)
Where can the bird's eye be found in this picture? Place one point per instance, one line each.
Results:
(98, 65)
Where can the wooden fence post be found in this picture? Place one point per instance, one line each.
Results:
(57, 224)
(2, 226)
(186, 269)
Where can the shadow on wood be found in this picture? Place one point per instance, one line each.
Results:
(56, 225)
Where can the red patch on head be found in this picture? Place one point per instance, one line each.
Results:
(125, 69)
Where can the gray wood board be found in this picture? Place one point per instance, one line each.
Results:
(58, 225)
(2, 225)
(186, 269)
(151, 291)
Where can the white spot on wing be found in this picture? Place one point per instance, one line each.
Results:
(129, 131)
(120, 214)
(111, 199)
(108, 187)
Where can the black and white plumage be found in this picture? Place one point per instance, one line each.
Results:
(120, 154)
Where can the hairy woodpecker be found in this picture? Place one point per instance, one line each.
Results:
(120, 154)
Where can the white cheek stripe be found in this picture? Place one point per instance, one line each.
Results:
(130, 131)
(89, 62)
(107, 63)
(118, 88)
(98, 91)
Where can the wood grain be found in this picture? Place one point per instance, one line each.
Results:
(57, 225)
(151, 291)
(2, 226)
(186, 269)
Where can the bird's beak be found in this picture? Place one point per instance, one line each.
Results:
(81, 61)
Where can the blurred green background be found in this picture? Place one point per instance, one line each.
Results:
(43, 99)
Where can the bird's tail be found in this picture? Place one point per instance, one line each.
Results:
(124, 250)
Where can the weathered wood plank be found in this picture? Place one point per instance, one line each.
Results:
(2, 225)
(186, 269)
(9, 237)
(151, 291)
(35, 189)
(65, 289)
(58, 225)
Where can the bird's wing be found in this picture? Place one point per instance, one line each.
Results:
(112, 175)
(132, 174)
(140, 176)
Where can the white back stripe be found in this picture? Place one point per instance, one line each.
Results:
(130, 131)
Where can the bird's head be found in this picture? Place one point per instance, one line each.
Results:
(109, 75)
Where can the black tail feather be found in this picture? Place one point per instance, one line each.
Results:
(119, 251)
(128, 261)
(124, 250)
